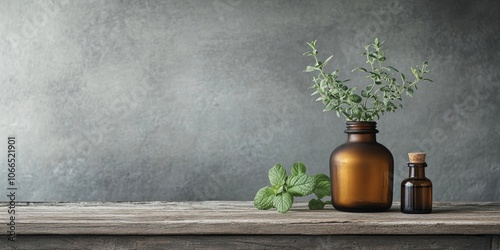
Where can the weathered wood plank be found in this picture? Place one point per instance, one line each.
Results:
(249, 242)
(227, 218)
(495, 242)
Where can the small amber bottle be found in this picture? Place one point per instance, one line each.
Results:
(416, 191)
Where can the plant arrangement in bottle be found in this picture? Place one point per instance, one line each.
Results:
(361, 169)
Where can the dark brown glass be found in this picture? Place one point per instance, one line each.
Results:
(416, 191)
(361, 171)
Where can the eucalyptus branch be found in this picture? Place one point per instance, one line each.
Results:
(383, 94)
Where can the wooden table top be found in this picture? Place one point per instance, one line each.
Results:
(241, 218)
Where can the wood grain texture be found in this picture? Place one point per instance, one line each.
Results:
(495, 242)
(241, 218)
(249, 242)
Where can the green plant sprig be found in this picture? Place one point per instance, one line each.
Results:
(383, 94)
(284, 188)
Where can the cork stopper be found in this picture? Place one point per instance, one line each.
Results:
(416, 157)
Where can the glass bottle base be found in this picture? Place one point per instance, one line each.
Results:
(416, 211)
(363, 208)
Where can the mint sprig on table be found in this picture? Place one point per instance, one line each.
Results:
(284, 188)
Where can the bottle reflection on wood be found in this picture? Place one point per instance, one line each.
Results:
(416, 191)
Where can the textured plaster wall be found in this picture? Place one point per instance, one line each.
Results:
(196, 100)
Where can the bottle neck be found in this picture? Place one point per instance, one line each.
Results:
(417, 170)
(361, 137)
(361, 131)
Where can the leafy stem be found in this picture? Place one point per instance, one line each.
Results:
(383, 94)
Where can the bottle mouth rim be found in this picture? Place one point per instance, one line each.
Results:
(361, 122)
(366, 131)
(361, 127)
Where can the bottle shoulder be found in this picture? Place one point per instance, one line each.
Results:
(362, 146)
(422, 182)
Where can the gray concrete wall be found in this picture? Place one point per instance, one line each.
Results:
(196, 100)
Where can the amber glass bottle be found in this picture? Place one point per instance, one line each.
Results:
(361, 171)
(416, 191)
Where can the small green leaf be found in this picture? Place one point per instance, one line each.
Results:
(323, 189)
(357, 112)
(386, 101)
(298, 168)
(321, 177)
(300, 185)
(283, 202)
(355, 98)
(312, 44)
(264, 198)
(360, 69)
(403, 77)
(409, 92)
(328, 107)
(415, 73)
(277, 175)
(316, 204)
(323, 186)
(280, 189)
(326, 61)
(310, 69)
(392, 68)
(308, 53)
